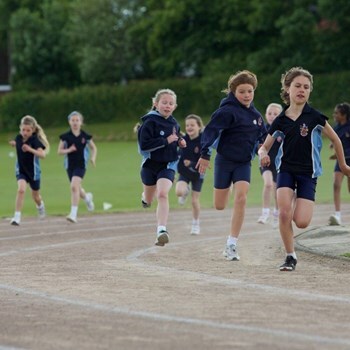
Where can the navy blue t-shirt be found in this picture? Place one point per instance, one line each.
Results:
(80, 157)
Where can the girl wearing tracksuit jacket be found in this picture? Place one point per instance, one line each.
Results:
(235, 130)
(158, 140)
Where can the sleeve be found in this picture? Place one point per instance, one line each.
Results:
(218, 122)
(148, 141)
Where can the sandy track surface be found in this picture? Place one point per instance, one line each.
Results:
(102, 284)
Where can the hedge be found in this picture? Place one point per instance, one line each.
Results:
(130, 101)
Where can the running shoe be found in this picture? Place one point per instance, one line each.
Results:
(71, 219)
(263, 219)
(41, 211)
(14, 222)
(89, 202)
(195, 230)
(289, 264)
(334, 220)
(230, 252)
(162, 238)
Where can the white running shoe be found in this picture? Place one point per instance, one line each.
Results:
(195, 230)
(41, 212)
(264, 219)
(230, 252)
(162, 238)
(71, 219)
(14, 222)
(334, 220)
(89, 201)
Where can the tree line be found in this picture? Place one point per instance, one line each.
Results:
(66, 43)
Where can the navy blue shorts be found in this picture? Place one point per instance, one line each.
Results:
(196, 185)
(304, 185)
(152, 171)
(227, 172)
(34, 184)
(79, 172)
(337, 168)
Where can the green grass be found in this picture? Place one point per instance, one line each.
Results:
(116, 178)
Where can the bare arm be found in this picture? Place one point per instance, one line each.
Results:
(264, 150)
(62, 150)
(37, 152)
(338, 148)
(93, 149)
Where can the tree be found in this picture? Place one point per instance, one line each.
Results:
(40, 49)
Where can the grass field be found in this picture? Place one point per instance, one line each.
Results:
(116, 177)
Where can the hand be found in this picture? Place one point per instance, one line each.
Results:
(265, 161)
(202, 165)
(187, 162)
(182, 143)
(26, 148)
(172, 138)
(93, 162)
(12, 143)
(72, 148)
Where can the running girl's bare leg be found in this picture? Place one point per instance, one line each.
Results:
(181, 188)
(285, 200)
(21, 191)
(268, 188)
(163, 188)
(196, 207)
(149, 193)
(36, 197)
(221, 197)
(241, 189)
(75, 187)
(303, 211)
(337, 182)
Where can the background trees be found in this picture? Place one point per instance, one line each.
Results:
(66, 43)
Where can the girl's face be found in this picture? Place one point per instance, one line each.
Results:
(299, 90)
(271, 113)
(192, 128)
(26, 131)
(338, 117)
(166, 105)
(245, 94)
(75, 122)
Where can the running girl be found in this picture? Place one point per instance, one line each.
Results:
(76, 146)
(158, 140)
(188, 174)
(31, 145)
(298, 160)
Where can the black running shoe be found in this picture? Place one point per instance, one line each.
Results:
(289, 264)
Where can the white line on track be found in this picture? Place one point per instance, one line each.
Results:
(171, 318)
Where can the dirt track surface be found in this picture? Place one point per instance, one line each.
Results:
(102, 284)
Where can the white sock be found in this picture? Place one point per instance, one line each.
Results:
(275, 212)
(73, 211)
(41, 205)
(161, 228)
(266, 211)
(195, 222)
(17, 215)
(293, 255)
(338, 214)
(232, 240)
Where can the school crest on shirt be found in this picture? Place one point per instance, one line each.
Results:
(196, 149)
(304, 130)
(83, 141)
(161, 133)
(260, 121)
